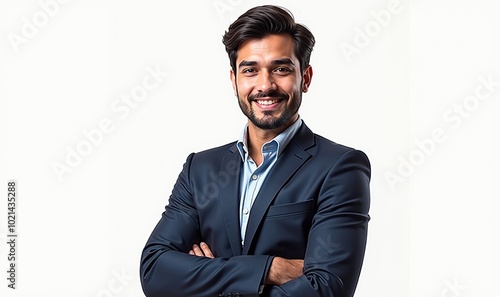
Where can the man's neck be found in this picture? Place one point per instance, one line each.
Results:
(256, 138)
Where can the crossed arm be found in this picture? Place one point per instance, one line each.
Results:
(172, 266)
(281, 270)
(169, 269)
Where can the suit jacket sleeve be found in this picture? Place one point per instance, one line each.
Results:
(337, 239)
(168, 270)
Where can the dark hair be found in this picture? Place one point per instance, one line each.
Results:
(265, 20)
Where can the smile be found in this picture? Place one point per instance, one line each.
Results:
(267, 102)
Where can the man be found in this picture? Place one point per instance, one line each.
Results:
(280, 212)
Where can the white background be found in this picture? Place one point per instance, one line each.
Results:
(434, 228)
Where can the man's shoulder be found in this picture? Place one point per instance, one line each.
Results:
(325, 147)
(215, 153)
(330, 145)
(222, 149)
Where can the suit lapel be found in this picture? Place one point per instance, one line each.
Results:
(229, 197)
(287, 164)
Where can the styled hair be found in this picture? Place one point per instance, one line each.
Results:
(262, 21)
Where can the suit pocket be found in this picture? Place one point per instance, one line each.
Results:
(286, 229)
(290, 209)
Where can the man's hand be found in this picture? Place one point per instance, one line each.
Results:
(283, 270)
(202, 250)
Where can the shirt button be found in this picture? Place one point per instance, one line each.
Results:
(245, 211)
(254, 177)
(242, 243)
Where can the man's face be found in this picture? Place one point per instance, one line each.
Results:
(268, 81)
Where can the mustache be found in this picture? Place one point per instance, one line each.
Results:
(275, 94)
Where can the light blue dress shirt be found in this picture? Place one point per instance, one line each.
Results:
(252, 177)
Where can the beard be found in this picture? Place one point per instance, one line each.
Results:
(268, 121)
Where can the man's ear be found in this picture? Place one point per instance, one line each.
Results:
(306, 78)
(233, 80)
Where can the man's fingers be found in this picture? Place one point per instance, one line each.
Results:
(202, 250)
(197, 251)
(206, 250)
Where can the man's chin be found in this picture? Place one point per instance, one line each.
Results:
(268, 123)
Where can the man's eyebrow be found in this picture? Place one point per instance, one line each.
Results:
(247, 63)
(284, 61)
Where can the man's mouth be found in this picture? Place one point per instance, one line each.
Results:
(267, 101)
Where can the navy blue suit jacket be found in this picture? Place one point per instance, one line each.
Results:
(313, 206)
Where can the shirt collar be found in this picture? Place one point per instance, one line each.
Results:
(281, 140)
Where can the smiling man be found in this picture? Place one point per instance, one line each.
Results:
(268, 83)
(287, 214)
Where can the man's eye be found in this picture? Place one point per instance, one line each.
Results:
(283, 70)
(248, 70)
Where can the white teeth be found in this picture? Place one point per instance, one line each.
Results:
(266, 102)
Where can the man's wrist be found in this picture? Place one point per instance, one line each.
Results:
(283, 270)
(266, 273)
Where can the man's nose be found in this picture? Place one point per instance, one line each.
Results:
(266, 82)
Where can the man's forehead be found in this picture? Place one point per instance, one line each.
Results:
(267, 49)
